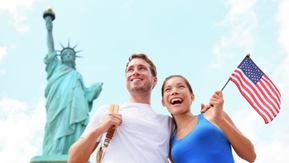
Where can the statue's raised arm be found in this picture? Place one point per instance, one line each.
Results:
(49, 16)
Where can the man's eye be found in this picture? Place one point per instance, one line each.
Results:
(129, 69)
(142, 68)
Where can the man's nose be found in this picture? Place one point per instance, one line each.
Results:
(135, 72)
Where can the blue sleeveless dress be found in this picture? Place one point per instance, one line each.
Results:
(204, 144)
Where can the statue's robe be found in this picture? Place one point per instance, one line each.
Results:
(66, 107)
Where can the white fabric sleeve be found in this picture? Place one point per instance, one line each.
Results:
(97, 117)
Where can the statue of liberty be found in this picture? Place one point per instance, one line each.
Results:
(68, 101)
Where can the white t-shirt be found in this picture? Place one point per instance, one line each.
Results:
(143, 136)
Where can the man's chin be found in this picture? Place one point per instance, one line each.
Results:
(137, 90)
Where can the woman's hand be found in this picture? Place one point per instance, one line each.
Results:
(216, 103)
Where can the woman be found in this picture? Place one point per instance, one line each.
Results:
(203, 138)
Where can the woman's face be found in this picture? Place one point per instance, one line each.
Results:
(176, 96)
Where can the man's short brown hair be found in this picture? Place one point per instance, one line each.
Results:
(144, 57)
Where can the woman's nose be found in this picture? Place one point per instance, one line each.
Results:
(174, 92)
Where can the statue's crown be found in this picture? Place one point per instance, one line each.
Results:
(69, 48)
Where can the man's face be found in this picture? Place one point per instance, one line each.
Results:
(139, 78)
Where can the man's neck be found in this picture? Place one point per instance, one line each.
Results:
(144, 98)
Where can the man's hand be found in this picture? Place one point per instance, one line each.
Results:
(111, 120)
(204, 108)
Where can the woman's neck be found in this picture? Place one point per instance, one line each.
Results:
(183, 120)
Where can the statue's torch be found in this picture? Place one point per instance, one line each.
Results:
(49, 12)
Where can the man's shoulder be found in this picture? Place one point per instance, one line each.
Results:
(101, 111)
(103, 108)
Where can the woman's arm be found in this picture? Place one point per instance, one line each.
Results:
(241, 144)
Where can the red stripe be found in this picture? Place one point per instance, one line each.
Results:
(249, 100)
(251, 94)
(266, 97)
(257, 94)
(276, 91)
(272, 97)
(265, 76)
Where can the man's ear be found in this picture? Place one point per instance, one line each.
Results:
(155, 80)
(163, 102)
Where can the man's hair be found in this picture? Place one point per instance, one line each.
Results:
(144, 57)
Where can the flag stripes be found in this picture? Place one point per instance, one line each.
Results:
(262, 95)
(250, 97)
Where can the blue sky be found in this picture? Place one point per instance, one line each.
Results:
(201, 40)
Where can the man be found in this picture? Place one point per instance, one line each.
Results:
(141, 135)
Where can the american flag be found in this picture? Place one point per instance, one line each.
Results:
(257, 89)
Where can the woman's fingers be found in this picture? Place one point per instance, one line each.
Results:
(217, 98)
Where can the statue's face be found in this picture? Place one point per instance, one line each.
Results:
(68, 56)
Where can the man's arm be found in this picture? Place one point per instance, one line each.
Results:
(81, 150)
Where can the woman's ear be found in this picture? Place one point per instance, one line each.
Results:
(163, 102)
(192, 97)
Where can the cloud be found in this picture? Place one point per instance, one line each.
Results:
(268, 150)
(18, 9)
(3, 52)
(242, 23)
(127, 4)
(282, 18)
(22, 130)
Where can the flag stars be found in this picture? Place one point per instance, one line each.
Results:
(251, 70)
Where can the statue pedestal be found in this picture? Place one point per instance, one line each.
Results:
(50, 159)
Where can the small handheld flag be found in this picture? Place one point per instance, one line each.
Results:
(257, 89)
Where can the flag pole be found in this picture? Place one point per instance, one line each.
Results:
(225, 85)
(248, 55)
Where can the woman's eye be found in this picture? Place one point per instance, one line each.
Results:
(142, 68)
(167, 89)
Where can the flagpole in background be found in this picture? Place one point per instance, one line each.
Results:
(248, 55)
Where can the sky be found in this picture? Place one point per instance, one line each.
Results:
(202, 40)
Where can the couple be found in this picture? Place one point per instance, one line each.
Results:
(142, 135)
